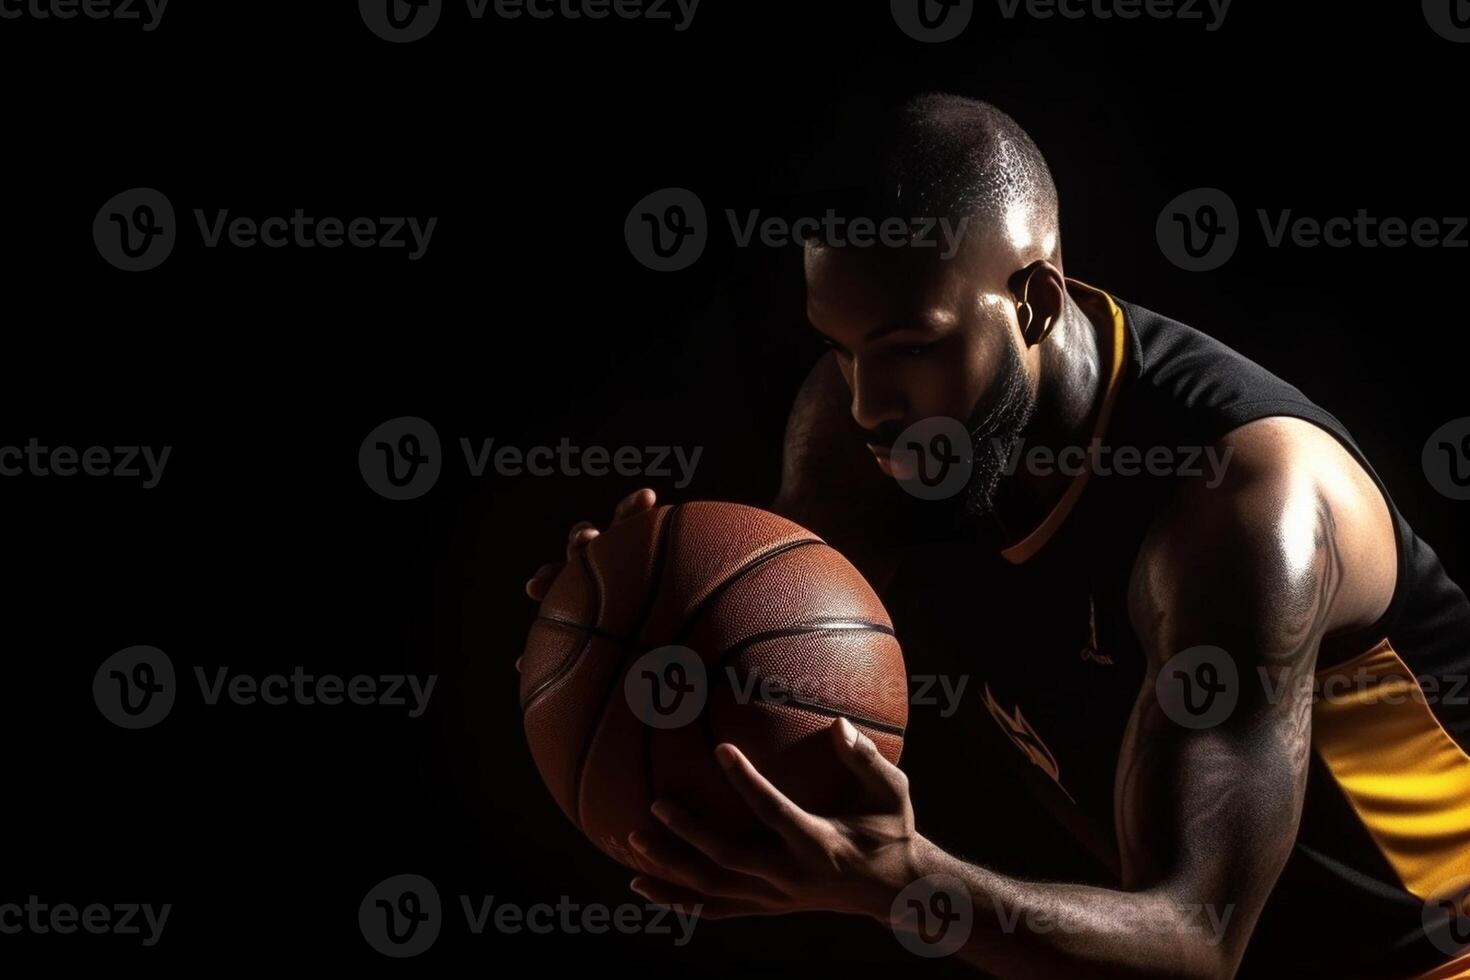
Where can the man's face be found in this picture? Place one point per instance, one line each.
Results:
(918, 337)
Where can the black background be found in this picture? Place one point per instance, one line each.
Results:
(528, 321)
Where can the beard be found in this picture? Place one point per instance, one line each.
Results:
(994, 429)
(996, 426)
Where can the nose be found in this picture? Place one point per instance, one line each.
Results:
(874, 402)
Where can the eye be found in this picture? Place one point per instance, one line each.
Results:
(833, 345)
(916, 350)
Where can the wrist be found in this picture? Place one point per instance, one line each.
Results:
(909, 860)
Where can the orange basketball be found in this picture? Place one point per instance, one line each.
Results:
(692, 625)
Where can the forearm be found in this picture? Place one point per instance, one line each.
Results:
(1032, 929)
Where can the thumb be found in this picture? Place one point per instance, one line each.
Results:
(857, 751)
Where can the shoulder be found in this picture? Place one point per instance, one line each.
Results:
(1294, 543)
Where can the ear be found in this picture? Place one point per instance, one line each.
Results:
(1041, 296)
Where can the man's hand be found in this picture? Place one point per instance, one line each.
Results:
(852, 864)
(581, 533)
(577, 538)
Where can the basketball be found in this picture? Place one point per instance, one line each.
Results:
(691, 625)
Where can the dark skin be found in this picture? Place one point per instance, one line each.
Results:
(1296, 545)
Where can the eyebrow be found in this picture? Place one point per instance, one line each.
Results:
(896, 326)
(879, 332)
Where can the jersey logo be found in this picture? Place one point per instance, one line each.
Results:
(1025, 738)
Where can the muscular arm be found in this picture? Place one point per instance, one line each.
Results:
(1207, 816)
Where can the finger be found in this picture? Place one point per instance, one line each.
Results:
(726, 853)
(634, 503)
(767, 802)
(879, 777)
(667, 857)
(580, 534)
(701, 906)
(538, 584)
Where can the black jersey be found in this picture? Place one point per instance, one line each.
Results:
(1386, 822)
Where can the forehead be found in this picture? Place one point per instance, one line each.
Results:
(858, 288)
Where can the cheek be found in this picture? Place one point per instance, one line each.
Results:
(944, 386)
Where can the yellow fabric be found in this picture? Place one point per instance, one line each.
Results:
(1086, 295)
(1406, 778)
(1456, 969)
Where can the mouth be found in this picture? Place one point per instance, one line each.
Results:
(900, 467)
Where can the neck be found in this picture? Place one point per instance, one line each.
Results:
(1068, 399)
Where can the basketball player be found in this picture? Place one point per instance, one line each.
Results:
(1236, 685)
